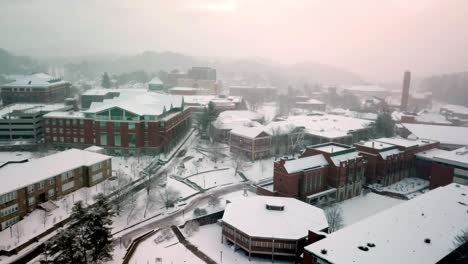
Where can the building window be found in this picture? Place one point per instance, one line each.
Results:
(117, 125)
(50, 193)
(81, 121)
(8, 197)
(67, 186)
(41, 185)
(9, 210)
(117, 140)
(67, 122)
(96, 177)
(102, 124)
(103, 138)
(67, 175)
(30, 188)
(131, 125)
(47, 130)
(31, 201)
(10, 222)
(131, 140)
(81, 140)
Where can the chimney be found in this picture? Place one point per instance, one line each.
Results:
(405, 92)
(373, 143)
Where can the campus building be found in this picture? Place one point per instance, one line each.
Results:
(26, 185)
(450, 137)
(389, 160)
(229, 120)
(251, 142)
(421, 230)
(134, 121)
(23, 121)
(278, 226)
(258, 93)
(35, 88)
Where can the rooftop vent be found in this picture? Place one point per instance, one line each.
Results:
(371, 245)
(274, 206)
(323, 251)
(427, 240)
(29, 82)
(363, 248)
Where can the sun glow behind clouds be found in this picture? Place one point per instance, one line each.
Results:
(217, 5)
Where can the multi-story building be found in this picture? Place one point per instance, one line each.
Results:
(24, 121)
(252, 142)
(346, 168)
(134, 121)
(273, 226)
(391, 159)
(202, 73)
(155, 84)
(25, 185)
(97, 95)
(258, 93)
(228, 120)
(35, 88)
(421, 230)
(450, 137)
(322, 175)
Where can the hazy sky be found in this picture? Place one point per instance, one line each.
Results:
(377, 39)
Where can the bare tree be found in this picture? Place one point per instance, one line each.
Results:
(17, 232)
(44, 217)
(131, 205)
(276, 140)
(134, 169)
(215, 152)
(119, 194)
(86, 194)
(461, 243)
(239, 163)
(213, 201)
(296, 139)
(334, 215)
(151, 183)
(169, 196)
(191, 227)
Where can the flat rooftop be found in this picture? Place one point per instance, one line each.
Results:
(31, 108)
(305, 163)
(25, 174)
(61, 114)
(373, 144)
(293, 222)
(399, 234)
(331, 148)
(406, 143)
(452, 135)
(35, 80)
(458, 157)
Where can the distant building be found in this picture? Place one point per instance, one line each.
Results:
(311, 105)
(252, 142)
(26, 185)
(450, 137)
(202, 73)
(24, 121)
(132, 122)
(228, 120)
(97, 95)
(198, 103)
(421, 230)
(187, 91)
(366, 91)
(35, 88)
(156, 84)
(405, 91)
(456, 113)
(196, 77)
(273, 226)
(259, 93)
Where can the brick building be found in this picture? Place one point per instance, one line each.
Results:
(278, 227)
(346, 168)
(228, 120)
(28, 184)
(421, 230)
(443, 167)
(128, 124)
(252, 142)
(35, 88)
(98, 95)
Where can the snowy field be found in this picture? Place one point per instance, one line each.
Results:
(363, 206)
(260, 170)
(169, 250)
(208, 240)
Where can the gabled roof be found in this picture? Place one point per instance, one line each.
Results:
(300, 164)
(398, 234)
(248, 132)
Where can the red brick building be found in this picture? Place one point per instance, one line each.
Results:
(252, 142)
(346, 168)
(29, 184)
(265, 233)
(131, 123)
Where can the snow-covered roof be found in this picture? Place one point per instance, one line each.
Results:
(331, 148)
(251, 87)
(311, 102)
(458, 109)
(25, 174)
(458, 157)
(6, 157)
(337, 159)
(184, 89)
(452, 135)
(300, 164)
(35, 80)
(204, 100)
(399, 233)
(100, 91)
(140, 102)
(431, 117)
(155, 80)
(328, 126)
(406, 143)
(248, 132)
(31, 108)
(293, 222)
(385, 154)
(430, 154)
(94, 149)
(236, 118)
(366, 88)
(61, 114)
(374, 144)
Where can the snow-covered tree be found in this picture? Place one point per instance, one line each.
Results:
(169, 196)
(106, 82)
(334, 215)
(239, 163)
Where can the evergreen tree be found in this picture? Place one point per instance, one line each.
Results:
(100, 236)
(384, 125)
(208, 116)
(105, 82)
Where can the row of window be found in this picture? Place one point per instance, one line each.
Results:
(10, 222)
(67, 186)
(9, 210)
(67, 131)
(8, 197)
(278, 245)
(67, 122)
(312, 182)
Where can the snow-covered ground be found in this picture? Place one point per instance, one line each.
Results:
(216, 178)
(208, 240)
(169, 250)
(363, 206)
(407, 187)
(260, 170)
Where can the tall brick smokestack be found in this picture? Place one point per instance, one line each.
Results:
(405, 92)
